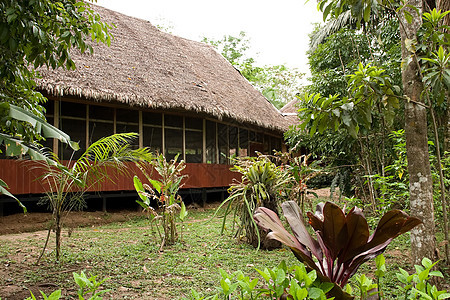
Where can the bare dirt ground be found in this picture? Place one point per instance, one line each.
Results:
(20, 223)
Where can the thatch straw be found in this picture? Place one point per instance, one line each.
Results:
(289, 112)
(151, 69)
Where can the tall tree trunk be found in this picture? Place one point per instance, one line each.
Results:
(416, 133)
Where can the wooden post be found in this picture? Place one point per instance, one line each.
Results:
(104, 203)
(204, 197)
(141, 130)
(204, 141)
(183, 147)
(56, 124)
(87, 126)
(163, 134)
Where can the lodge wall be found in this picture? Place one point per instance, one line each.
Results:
(196, 138)
(206, 145)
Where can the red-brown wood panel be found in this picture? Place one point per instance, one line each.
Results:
(22, 177)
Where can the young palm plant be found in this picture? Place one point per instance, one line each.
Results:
(66, 183)
(343, 242)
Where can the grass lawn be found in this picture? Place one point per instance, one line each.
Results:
(128, 254)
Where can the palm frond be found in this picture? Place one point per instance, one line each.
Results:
(331, 27)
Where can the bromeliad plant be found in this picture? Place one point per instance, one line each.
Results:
(165, 192)
(343, 242)
(260, 185)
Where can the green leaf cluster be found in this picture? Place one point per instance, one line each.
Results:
(280, 282)
(278, 83)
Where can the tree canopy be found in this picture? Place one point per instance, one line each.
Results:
(278, 83)
(34, 34)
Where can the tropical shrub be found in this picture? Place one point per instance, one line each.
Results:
(417, 285)
(343, 243)
(65, 184)
(281, 282)
(300, 171)
(87, 286)
(260, 185)
(165, 191)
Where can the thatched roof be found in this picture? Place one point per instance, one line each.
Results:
(289, 112)
(151, 69)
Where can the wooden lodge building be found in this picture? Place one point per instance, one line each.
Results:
(181, 97)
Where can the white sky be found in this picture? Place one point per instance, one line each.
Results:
(278, 30)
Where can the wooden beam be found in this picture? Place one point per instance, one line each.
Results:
(87, 126)
(56, 124)
(163, 133)
(204, 142)
(183, 147)
(141, 130)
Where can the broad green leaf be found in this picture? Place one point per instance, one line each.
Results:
(4, 191)
(138, 186)
(156, 185)
(183, 211)
(408, 16)
(43, 127)
(315, 293)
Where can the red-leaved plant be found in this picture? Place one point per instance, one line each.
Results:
(343, 243)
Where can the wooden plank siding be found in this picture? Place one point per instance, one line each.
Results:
(22, 177)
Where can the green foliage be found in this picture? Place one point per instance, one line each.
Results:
(278, 83)
(300, 170)
(89, 286)
(366, 287)
(393, 187)
(260, 185)
(432, 49)
(343, 243)
(279, 282)
(165, 192)
(86, 286)
(371, 94)
(35, 34)
(65, 184)
(417, 285)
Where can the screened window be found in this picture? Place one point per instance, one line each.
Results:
(101, 113)
(152, 127)
(233, 141)
(73, 122)
(243, 142)
(48, 143)
(193, 123)
(153, 138)
(70, 109)
(266, 145)
(211, 142)
(173, 121)
(275, 143)
(76, 129)
(174, 142)
(149, 118)
(222, 135)
(101, 122)
(194, 146)
(128, 121)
